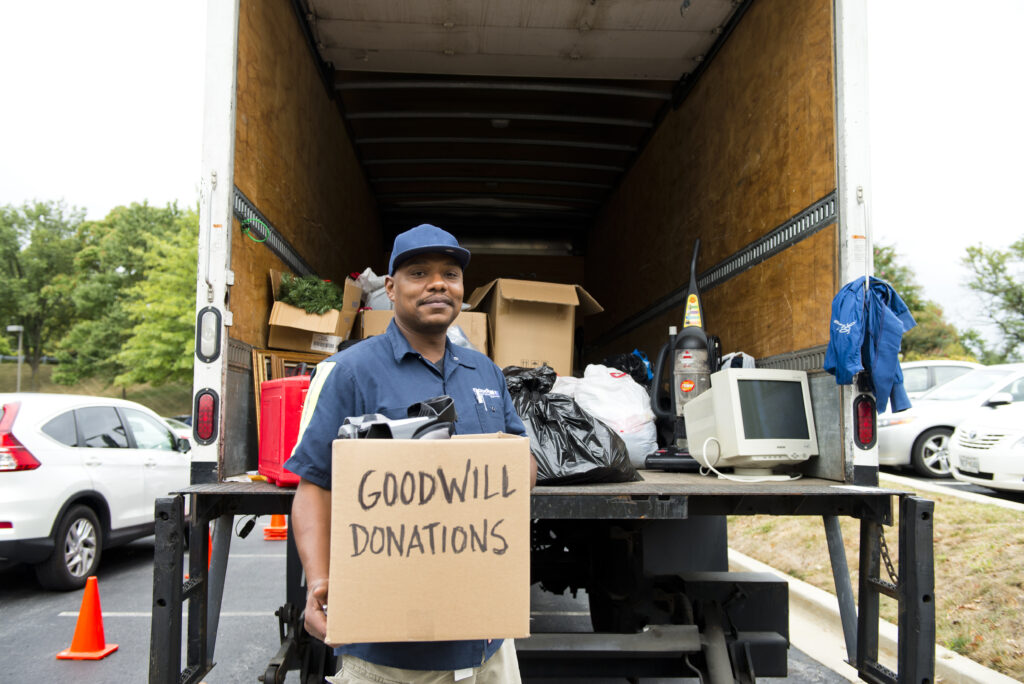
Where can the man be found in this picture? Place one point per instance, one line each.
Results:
(412, 361)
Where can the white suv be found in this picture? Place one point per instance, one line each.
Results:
(78, 475)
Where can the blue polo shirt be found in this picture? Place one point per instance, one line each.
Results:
(384, 374)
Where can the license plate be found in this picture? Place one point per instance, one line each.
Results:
(969, 463)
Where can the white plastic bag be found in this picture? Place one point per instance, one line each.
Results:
(374, 294)
(458, 337)
(737, 360)
(618, 401)
(566, 384)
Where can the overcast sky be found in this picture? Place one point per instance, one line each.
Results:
(102, 106)
(947, 136)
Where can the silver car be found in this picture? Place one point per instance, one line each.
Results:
(919, 436)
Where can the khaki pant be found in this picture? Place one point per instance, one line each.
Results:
(500, 668)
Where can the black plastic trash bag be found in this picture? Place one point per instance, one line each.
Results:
(570, 445)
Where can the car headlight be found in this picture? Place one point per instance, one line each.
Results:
(895, 419)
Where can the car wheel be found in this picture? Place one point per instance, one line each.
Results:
(930, 455)
(76, 554)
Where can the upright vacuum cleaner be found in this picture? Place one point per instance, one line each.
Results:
(695, 356)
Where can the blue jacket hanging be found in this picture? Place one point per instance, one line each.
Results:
(869, 332)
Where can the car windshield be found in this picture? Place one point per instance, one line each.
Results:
(967, 386)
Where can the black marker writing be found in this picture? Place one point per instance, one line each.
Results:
(391, 540)
(419, 487)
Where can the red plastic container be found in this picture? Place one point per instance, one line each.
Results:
(281, 403)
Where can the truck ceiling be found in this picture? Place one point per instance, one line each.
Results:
(509, 123)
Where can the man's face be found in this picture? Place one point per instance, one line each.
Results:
(427, 292)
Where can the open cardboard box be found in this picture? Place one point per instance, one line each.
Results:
(430, 539)
(532, 323)
(472, 323)
(293, 328)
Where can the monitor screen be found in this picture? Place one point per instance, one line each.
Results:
(772, 409)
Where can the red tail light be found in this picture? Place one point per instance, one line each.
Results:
(864, 420)
(205, 416)
(13, 454)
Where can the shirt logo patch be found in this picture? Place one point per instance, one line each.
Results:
(481, 393)
(844, 328)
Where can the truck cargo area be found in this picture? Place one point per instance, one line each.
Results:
(572, 142)
(586, 142)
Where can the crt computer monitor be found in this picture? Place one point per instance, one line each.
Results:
(752, 420)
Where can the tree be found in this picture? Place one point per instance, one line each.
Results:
(998, 277)
(112, 261)
(932, 337)
(38, 242)
(888, 268)
(162, 306)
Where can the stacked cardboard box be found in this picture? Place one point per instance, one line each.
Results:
(473, 324)
(532, 323)
(292, 328)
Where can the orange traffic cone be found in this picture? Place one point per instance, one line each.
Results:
(277, 530)
(88, 642)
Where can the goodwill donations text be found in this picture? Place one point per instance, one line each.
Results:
(412, 489)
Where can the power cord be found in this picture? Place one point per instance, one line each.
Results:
(706, 470)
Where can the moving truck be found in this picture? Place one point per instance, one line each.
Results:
(586, 142)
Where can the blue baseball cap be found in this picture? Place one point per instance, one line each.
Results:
(426, 238)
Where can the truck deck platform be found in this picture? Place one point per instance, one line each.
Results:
(658, 496)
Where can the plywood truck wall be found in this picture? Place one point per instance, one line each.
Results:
(752, 145)
(294, 161)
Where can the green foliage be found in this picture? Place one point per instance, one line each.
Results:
(38, 243)
(933, 337)
(113, 299)
(958, 644)
(310, 293)
(7, 348)
(114, 258)
(998, 277)
(161, 345)
(888, 268)
(166, 400)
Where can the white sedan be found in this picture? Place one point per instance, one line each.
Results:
(78, 475)
(987, 447)
(919, 436)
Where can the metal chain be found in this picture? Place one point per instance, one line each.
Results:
(893, 577)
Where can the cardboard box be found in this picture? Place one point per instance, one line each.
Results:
(430, 539)
(473, 323)
(532, 323)
(293, 328)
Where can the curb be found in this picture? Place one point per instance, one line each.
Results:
(816, 629)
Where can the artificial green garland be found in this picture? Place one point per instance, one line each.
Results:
(310, 293)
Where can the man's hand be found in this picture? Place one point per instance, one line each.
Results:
(311, 528)
(316, 610)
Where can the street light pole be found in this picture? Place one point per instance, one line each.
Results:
(18, 329)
